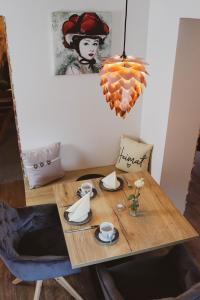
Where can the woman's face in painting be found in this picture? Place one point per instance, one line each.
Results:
(88, 48)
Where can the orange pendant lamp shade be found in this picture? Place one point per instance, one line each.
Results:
(122, 80)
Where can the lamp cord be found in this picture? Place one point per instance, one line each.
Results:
(125, 21)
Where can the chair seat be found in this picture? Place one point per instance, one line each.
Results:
(45, 241)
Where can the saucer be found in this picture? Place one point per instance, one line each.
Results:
(99, 238)
(94, 193)
(88, 218)
(106, 188)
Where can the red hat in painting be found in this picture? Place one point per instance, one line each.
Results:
(88, 23)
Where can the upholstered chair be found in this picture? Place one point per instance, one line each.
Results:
(32, 245)
(171, 276)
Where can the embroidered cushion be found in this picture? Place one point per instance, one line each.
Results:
(134, 156)
(42, 165)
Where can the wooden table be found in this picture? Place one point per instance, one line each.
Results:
(159, 224)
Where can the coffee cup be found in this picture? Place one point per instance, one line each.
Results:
(106, 231)
(86, 188)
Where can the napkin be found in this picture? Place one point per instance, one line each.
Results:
(80, 209)
(110, 181)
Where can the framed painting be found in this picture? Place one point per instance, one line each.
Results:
(81, 41)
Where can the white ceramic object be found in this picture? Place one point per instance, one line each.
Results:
(86, 187)
(110, 181)
(105, 234)
(108, 187)
(78, 212)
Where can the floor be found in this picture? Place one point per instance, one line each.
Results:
(50, 291)
(10, 164)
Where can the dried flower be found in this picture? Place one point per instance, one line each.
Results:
(139, 183)
(134, 198)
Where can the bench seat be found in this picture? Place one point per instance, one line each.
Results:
(44, 194)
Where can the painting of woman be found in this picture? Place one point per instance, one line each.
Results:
(84, 44)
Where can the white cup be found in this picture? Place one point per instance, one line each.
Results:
(107, 231)
(86, 188)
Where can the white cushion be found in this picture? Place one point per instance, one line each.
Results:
(42, 165)
(134, 156)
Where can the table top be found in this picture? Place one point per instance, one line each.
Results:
(158, 224)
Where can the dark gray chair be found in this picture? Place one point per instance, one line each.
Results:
(171, 276)
(32, 245)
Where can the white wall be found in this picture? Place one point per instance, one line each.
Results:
(163, 29)
(184, 116)
(68, 109)
(63, 108)
(161, 52)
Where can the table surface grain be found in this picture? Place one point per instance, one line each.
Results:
(158, 224)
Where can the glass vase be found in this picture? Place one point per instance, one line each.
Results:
(134, 212)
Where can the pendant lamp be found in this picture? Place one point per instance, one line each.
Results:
(122, 79)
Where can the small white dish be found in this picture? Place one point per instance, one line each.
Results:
(120, 206)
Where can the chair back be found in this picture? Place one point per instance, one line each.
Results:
(152, 277)
(9, 235)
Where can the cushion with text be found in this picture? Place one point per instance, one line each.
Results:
(134, 156)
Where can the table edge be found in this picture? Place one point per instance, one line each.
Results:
(132, 253)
